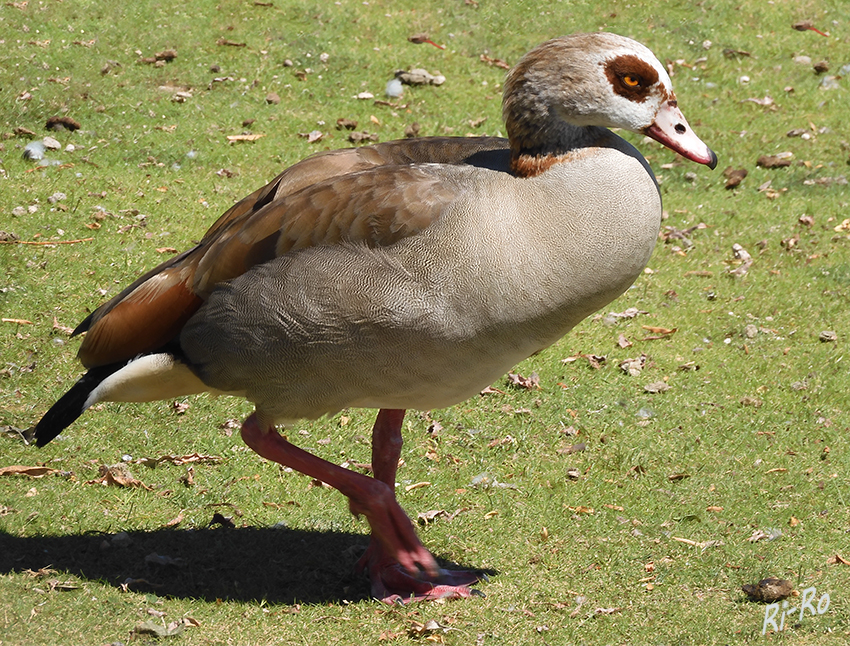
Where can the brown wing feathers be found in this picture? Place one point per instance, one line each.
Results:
(375, 195)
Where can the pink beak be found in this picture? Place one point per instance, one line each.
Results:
(671, 129)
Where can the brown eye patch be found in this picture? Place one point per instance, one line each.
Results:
(631, 77)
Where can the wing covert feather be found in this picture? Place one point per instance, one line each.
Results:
(377, 207)
(375, 194)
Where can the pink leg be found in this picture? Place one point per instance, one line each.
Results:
(394, 547)
(389, 581)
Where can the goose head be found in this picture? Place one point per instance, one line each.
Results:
(559, 93)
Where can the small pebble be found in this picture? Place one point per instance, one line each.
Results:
(829, 83)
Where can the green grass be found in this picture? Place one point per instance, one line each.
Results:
(750, 428)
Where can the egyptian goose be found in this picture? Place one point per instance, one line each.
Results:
(408, 274)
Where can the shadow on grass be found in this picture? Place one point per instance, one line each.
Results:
(245, 564)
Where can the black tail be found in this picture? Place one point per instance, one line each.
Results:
(72, 404)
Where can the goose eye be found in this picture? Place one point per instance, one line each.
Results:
(631, 80)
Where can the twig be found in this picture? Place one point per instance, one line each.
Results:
(45, 242)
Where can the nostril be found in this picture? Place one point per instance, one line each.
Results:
(680, 128)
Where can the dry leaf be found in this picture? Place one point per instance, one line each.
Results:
(430, 516)
(181, 459)
(506, 441)
(41, 572)
(532, 382)
(595, 360)
(30, 472)
(573, 448)
(759, 535)
(779, 160)
(118, 475)
(489, 390)
(388, 635)
(837, 560)
(62, 123)
(164, 561)
(346, 124)
(63, 586)
(702, 545)
(158, 631)
(495, 62)
(188, 478)
(843, 227)
(656, 387)
(248, 137)
(734, 177)
(429, 629)
(61, 328)
(660, 330)
(629, 313)
(419, 76)
(634, 366)
(175, 521)
(746, 260)
(358, 137)
(180, 407)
